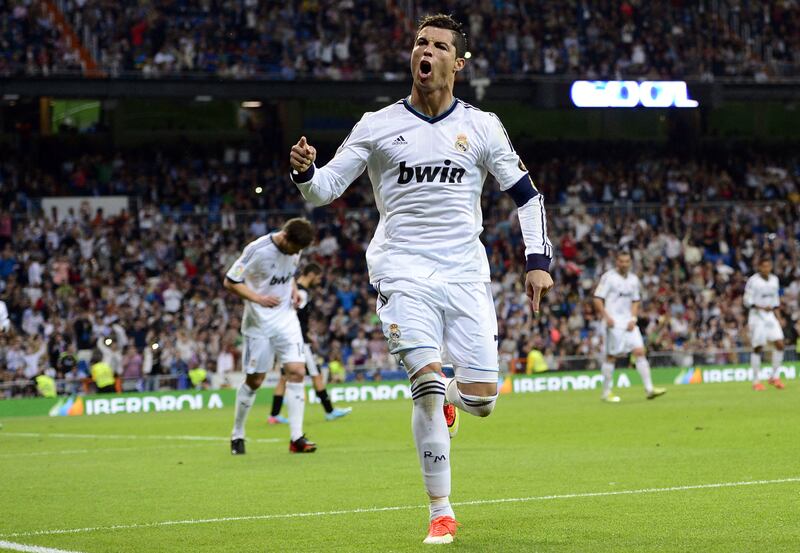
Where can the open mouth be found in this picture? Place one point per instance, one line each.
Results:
(425, 68)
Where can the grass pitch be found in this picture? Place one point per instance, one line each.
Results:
(589, 476)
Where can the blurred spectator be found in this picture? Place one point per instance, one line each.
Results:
(295, 39)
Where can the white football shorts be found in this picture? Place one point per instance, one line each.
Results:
(764, 329)
(311, 361)
(621, 341)
(284, 343)
(422, 317)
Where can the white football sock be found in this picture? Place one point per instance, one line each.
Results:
(430, 433)
(480, 406)
(755, 364)
(244, 401)
(440, 507)
(295, 406)
(777, 359)
(643, 366)
(607, 368)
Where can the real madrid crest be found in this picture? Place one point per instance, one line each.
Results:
(394, 335)
(462, 144)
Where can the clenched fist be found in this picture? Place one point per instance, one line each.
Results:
(302, 155)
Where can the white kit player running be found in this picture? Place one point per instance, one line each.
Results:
(427, 157)
(762, 297)
(617, 300)
(264, 277)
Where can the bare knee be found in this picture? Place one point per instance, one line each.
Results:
(427, 369)
(295, 372)
(254, 380)
(779, 345)
(478, 388)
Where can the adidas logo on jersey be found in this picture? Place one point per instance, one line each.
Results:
(430, 173)
(399, 141)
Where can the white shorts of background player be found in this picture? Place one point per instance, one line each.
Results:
(764, 329)
(284, 343)
(621, 341)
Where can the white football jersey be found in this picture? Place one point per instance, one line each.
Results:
(759, 292)
(427, 175)
(619, 292)
(268, 271)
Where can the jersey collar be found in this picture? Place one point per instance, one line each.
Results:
(427, 119)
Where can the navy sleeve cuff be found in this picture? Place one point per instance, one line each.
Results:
(537, 261)
(522, 191)
(304, 177)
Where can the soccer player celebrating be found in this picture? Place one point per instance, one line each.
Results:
(762, 297)
(617, 300)
(310, 277)
(263, 276)
(427, 157)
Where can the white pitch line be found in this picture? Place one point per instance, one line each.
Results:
(397, 508)
(132, 437)
(97, 450)
(31, 548)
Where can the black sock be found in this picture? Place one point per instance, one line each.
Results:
(326, 401)
(277, 403)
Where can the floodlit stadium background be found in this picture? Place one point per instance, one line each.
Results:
(141, 146)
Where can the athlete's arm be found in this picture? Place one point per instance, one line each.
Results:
(321, 186)
(634, 314)
(246, 293)
(296, 299)
(747, 299)
(503, 162)
(600, 308)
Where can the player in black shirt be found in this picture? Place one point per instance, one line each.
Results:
(310, 277)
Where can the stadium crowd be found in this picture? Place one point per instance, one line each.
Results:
(201, 182)
(353, 39)
(142, 291)
(30, 44)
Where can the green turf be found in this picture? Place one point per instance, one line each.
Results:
(534, 445)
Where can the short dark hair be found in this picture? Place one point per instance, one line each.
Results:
(443, 21)
(311, 268)
(623, 251)
(299, 231)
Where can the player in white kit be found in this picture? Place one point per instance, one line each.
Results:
(762, 297)
(427, 157)
(263, 276)
(617, 299)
